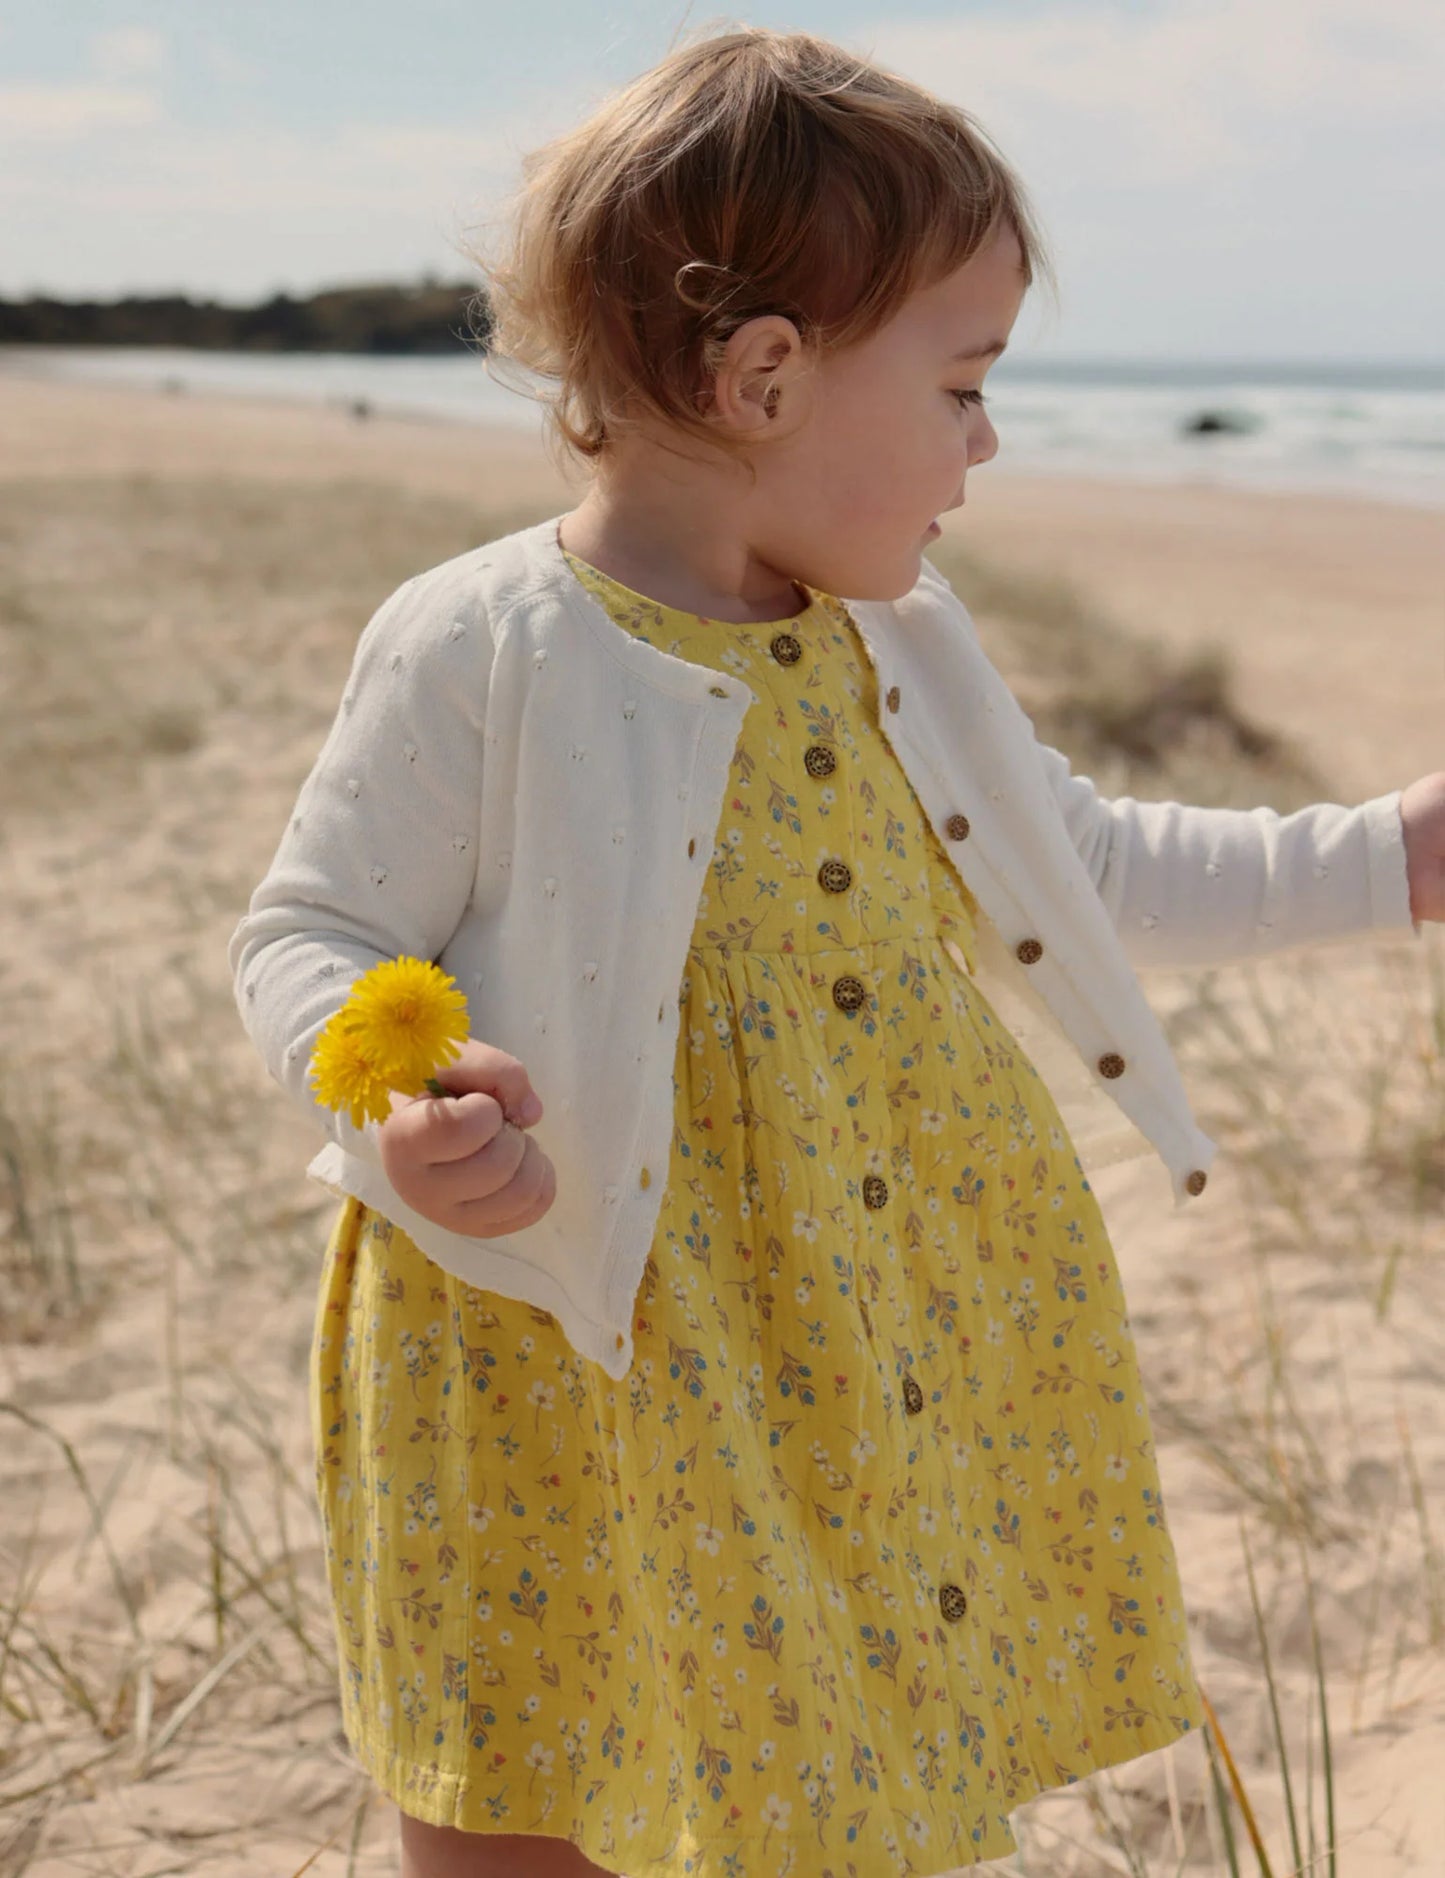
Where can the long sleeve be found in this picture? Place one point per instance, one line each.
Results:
(378, 858)
(1204, 886)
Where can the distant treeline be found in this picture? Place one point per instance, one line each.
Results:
(437, 316)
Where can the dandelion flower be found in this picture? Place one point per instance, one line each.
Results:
(404, 1019)
(346, 1075)
(411, 1018)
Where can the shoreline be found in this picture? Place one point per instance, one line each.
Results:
(520, 440)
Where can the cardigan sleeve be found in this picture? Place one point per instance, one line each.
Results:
(1206, 886)
(378, 858)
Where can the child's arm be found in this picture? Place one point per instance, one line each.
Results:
(378, 857)
(1203, 886)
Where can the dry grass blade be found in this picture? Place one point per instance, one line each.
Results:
(1273, 1699)
(355, 1823)
(97, 1519)
(358, 1823)
(1221, 1801)
(1326, 1750)
(1251, 1825)
(215, 1674)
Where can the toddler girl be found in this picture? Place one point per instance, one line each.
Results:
(730, 1441)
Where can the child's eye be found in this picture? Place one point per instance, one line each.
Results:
(970, 397)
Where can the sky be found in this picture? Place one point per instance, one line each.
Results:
(1216, 179)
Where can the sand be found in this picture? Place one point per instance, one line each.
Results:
(182, 581)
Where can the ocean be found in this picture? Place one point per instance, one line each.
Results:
(1367, 429)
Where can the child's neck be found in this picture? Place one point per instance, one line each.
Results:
(606, 536)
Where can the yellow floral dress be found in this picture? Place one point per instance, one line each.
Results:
(868, 1547)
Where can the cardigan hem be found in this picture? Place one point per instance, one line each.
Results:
(475, 1261)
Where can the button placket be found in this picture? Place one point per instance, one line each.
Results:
(849, 991)
(951, 1598)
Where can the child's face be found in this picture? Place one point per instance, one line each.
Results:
(885, 441)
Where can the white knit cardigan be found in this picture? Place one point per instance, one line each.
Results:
(516, 787)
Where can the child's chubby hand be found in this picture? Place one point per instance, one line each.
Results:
(464, 1160)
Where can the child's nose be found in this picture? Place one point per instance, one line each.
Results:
(983, 444)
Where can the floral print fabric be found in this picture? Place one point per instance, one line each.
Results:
(868, 1548)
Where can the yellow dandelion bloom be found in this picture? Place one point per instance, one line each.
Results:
(409, 1018)
(346, 1074)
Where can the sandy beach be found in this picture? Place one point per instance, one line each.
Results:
(182, 583)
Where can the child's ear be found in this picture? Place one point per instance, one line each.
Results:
(756, 364)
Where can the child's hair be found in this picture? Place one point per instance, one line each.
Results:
(753, 172)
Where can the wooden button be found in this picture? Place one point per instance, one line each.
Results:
(645, 1178)
(849, 993)
(786, 648)
(1111, 1065)
(952, 1602)
(718, 691)
(691, 847)
(894, 696)
(1196, 1181)
(820, 760)
(835, 877)
(875, 1191)
(1030, 951)
(912, 1395)
(956, 828)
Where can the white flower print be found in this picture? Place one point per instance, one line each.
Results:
(863, 1446)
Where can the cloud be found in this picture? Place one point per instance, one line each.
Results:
(1182, 93)
(442, 181)
(65, 113)
(126, 51)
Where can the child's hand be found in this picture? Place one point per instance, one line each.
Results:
(463, 1160)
